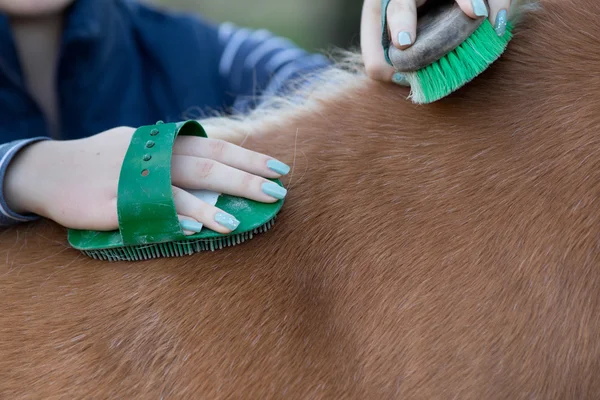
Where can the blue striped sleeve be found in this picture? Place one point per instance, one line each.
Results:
(255, 64)
(7, 153)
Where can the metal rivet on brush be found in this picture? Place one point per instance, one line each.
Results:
(149, 144)
(145, 172)
(154, 132)
(147, 157)
(159, 123)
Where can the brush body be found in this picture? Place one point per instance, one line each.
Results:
(451, 50)
(442, 26)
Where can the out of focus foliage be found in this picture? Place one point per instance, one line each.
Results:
(312, 24)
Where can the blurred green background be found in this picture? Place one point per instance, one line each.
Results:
(313, 24)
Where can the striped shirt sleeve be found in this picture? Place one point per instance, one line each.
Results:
(255, 64)
(7, 153)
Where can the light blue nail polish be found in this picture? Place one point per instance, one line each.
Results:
(226, 220)
(404, 39)
(274, 190)
(399, 79)
(278, 167)
(500, 25)
(192, 226)
(479, 8)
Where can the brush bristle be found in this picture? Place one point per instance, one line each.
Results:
(175, 249)
(460, 66)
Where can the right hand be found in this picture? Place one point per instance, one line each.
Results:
(401, 18)
(74, 183)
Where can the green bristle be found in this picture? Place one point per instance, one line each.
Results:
(460, 66)
(174, 249)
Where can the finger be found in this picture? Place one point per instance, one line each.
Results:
(499, 15)
(473, 8)
(203, 173)
(231, 155)
(370, 41)
(195, 213)
(402, 22)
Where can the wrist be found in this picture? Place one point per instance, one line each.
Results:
(23, 179)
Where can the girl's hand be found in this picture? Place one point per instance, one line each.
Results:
(402, 23)
(75, 182)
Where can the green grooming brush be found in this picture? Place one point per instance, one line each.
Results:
(148, 223)
(451, 50)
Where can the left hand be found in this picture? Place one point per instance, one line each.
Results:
(75, 182)
(402, 24)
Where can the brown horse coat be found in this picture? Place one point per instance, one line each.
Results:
(441, 251)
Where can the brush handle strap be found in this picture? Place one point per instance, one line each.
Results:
(442, 26)
(145, 205)
(386, 39)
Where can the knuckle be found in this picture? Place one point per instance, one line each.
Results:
(372, 69)
(203, 212)
(218, 147)
(248, 181)
(376, 71)
(124, 130)
(401, 6)
(200, 213)
(374, 7)
(204, 168)
(257, 160)
(121, 128)
(176, 194)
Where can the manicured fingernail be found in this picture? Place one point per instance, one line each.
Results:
(278, 167)
(399, 79)
(226, 220)
(500, 25)
(479, 8)
(404, 39)
(274, 190)
(192, 226)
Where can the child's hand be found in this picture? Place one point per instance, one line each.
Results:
(402, 22)
(75, 182)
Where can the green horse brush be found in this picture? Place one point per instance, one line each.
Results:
(451, 50)
(148, 223)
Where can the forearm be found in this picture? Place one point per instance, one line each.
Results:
(255, 65)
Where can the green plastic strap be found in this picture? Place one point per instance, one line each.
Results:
(145, 205)
(385, 36)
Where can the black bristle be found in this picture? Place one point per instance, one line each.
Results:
(174, 249)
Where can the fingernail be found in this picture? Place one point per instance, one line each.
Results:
(479, 8)
(192, 226)
(226, 220)
(278, 167)
(500, 25)
(404, 39)
(399, 79)
(274, 190)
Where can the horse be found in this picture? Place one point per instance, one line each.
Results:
(448, 250)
